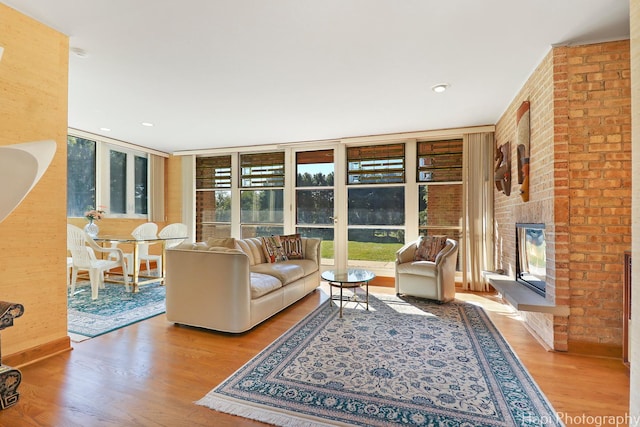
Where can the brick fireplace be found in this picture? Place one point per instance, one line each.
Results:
(580, 188)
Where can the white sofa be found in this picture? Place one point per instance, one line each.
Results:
(232, 290)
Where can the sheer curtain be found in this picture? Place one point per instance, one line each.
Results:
(156, 188)
(477, 230)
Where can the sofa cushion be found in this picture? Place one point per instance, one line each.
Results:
(223, 249)
(307, 265)
(419, 268)
(429, 247)
(262, 284)
(272, 248)
(286, 271)
(199, 246)
(292, 246)
(226, 242)
(252, 246)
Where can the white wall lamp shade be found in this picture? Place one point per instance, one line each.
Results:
(21, 167)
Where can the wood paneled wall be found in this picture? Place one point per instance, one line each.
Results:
(33, 106)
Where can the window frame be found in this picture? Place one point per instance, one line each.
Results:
(450, 170)
(105, 193)
(103, 187)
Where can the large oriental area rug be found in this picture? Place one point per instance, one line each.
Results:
(405, 362)
(114, 308)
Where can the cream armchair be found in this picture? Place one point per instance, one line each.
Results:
(427, 279)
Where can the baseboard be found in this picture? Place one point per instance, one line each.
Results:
(390, 282)
(37, 353)
(595, 349)
(386, 282)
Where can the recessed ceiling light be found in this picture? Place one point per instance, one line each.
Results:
(439, 88)
(106, 129)
(147, 124)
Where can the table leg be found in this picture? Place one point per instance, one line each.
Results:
(163, 260)
(136, 267)
(367, 292)
(341, 302)
(331, 294)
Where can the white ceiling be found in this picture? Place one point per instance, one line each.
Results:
(223, 73)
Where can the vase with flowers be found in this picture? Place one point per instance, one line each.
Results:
(92, 215)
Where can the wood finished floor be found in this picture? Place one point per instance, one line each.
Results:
(150, 373)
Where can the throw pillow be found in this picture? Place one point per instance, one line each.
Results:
(272, 249)
(292, 246)
(429, 247)
(225, 242)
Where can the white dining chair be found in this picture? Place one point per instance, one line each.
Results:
(148, 230)
(178, 230)
(69, 268)
(82, 249)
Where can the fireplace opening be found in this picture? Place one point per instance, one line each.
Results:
(531, 257)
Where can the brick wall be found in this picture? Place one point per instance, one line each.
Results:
(634, 396)
(580, 188)
(444, 205)
(538, 90)
(599, 178)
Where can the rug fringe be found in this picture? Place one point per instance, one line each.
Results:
(230, 406)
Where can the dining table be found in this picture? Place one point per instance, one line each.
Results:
(137, 278)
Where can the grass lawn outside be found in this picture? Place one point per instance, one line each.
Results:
(364, 251)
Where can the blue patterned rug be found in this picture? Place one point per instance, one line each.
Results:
(407, 362)
(113, 309)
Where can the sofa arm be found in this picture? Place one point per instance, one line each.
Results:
(446, 265)
(209, 289)
(406, 253)
(447, 253)
(312, 248)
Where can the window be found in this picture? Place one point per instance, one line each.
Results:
(262, 170)
(314, 182)
(315, 198)
(262, 194)
(128, 182)
(440, 192)
(375, 164)
(102, 174)
(440, 161)
(213, 197)
(376, 211)
(118, 187)
(81, 175)
(141, 173)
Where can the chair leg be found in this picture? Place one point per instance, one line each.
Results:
(94, 278)
(159, 267)
(74, 277)
(129, 263)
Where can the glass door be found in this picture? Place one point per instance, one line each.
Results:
(375, 205)
(315, 199)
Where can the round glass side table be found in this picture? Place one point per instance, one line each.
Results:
(350, 278)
